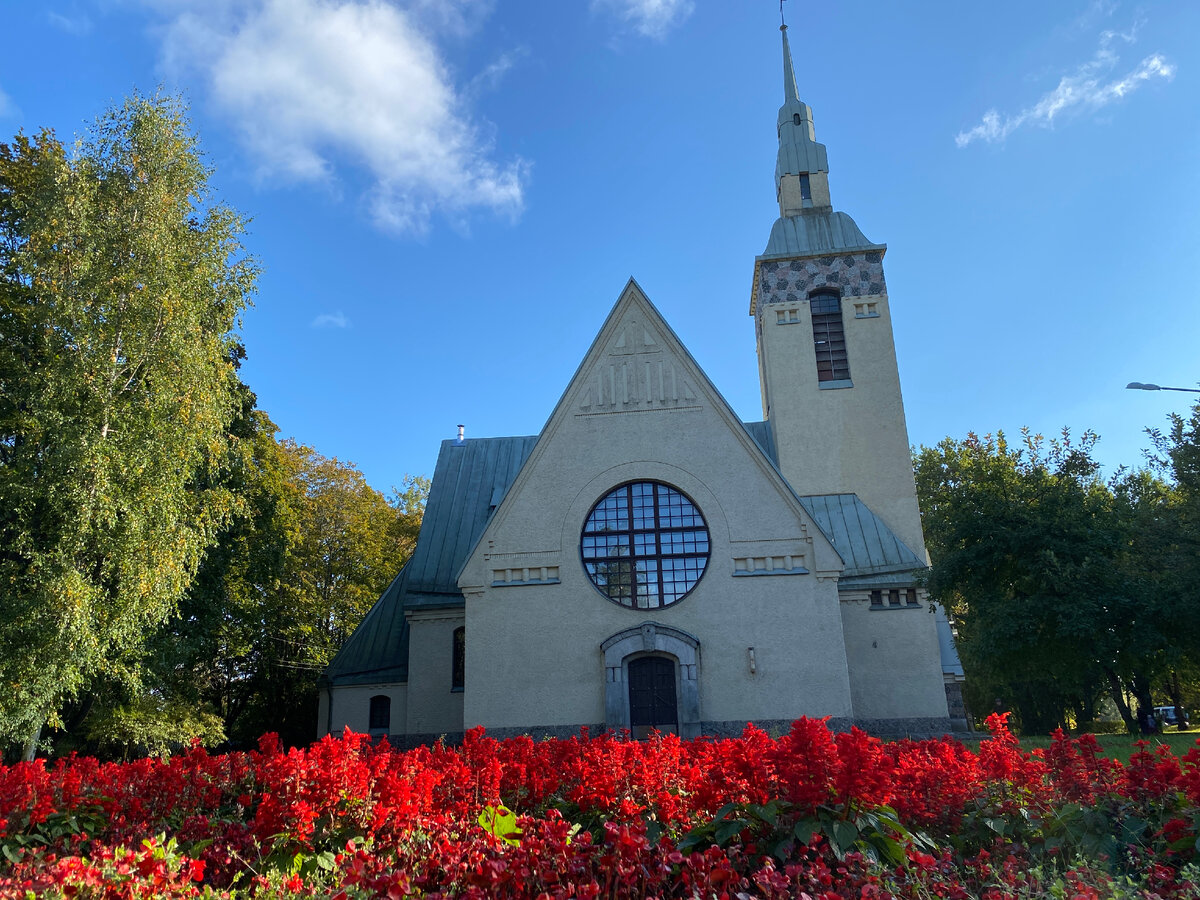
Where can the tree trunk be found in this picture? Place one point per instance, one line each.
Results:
(29, 751)
(1117, 690)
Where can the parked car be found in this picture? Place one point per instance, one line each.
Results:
(1165, 715)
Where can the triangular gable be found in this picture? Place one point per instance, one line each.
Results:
(637, 363)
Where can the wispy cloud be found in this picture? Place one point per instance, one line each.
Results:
(1090, 87)
(490, 77)
(77, 24)
(649, 18)
(322, 90)
(7, 107)
(330, 320)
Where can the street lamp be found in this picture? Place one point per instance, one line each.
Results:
(1138, 386)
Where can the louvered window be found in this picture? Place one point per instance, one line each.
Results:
(829, 337)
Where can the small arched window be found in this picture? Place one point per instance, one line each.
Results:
(459, 660)
(829, 336)
(381, 713)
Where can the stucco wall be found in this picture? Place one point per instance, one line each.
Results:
(895, 667)
(351, 706)
(533, 651)
(843, 440)
(434, 707)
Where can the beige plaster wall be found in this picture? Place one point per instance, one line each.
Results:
(351, 705)
(533, 654)
(433, 707)
(894, 659)
(847, 440)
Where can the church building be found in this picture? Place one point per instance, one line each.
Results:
(650, 561)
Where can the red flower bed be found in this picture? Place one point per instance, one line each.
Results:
(808, 813)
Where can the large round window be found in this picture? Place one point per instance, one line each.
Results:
(644, 545)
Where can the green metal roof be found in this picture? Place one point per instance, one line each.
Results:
(815, 232)
(469, 481)
(764, 436)
(865, 544)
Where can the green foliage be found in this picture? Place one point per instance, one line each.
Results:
(288, 581)
(153, 726)
(877, 832)
(121, 282)
(1062, 586)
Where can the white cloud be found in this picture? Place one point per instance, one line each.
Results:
(7, 107)
(649, 18)
(317, 87)
(1090, 87)
(78, 24)
(330, 320)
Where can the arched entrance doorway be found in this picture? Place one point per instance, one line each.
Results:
(653, 667)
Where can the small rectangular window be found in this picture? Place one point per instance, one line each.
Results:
(805, 188)
(380, 716)
(911, 596)
(893, 598)
(877, 598)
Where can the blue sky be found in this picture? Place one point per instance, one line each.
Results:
(448, 196)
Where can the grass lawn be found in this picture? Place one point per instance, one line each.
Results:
(1121, 746)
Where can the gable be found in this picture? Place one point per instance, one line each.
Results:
(639, 407)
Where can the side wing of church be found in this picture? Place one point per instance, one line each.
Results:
(649, 561)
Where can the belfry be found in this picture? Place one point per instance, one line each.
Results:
(649, 561)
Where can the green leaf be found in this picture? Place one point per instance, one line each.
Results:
(844, 834)
(804, 831)
(726, 831)
(500, 822)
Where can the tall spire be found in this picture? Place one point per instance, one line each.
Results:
(789, 76)
(801, 180)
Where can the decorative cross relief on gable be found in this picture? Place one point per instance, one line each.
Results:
(636, 375)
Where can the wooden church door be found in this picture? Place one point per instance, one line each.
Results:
(652, 696)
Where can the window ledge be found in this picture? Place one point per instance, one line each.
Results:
(531, 581)
(835, 385)
(882, 606)
(744, 573)
(456, 690)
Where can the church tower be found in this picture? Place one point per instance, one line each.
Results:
(826, 356)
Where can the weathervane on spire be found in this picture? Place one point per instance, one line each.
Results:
(782, 23)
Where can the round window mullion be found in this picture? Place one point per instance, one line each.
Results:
(652, 510)
(658, 550)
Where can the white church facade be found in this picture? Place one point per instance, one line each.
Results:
(650, 561)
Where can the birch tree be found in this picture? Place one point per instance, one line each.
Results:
(121, 281)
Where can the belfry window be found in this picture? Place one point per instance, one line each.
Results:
(829, 336)
(644, 545)
(805, 188)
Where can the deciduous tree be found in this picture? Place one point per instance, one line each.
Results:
(1054, 577)
(121, 281)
